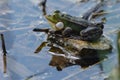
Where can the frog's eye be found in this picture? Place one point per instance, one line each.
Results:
(59, 25)
(53, 15)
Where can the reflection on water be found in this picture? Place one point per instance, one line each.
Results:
(67, 52)
(85, 60)
(17, 20)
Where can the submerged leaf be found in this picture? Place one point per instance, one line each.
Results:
(43, 44)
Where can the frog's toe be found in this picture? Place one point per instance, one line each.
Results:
(67, 32)
(100, 24)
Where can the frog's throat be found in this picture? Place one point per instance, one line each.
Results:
(52, 23)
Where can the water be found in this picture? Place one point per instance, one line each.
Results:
(17, 20)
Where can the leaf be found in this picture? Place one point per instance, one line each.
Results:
(43, 44)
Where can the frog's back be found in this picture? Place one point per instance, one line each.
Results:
(76, 23)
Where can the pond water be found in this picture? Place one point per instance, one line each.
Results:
(17, 20)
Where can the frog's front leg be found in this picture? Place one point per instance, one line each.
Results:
(91, 33)
(67, 32)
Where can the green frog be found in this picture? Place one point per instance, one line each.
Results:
(75, 27)
(74, 33)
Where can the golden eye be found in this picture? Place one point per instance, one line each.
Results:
(54, 16)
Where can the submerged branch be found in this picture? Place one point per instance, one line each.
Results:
(43, 4)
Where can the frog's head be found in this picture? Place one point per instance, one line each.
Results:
(54, 19)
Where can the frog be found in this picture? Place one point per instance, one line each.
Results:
(73, 27)
(74, 39)
(67, 28)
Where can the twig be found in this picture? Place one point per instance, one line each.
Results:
(43, 4)
(41, 30)
(4, 53)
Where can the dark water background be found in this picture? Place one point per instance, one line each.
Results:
(17, 20)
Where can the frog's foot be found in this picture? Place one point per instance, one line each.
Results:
(91, 33)
(67, 32)
(100, 25)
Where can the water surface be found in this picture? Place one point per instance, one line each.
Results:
(17, 20)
